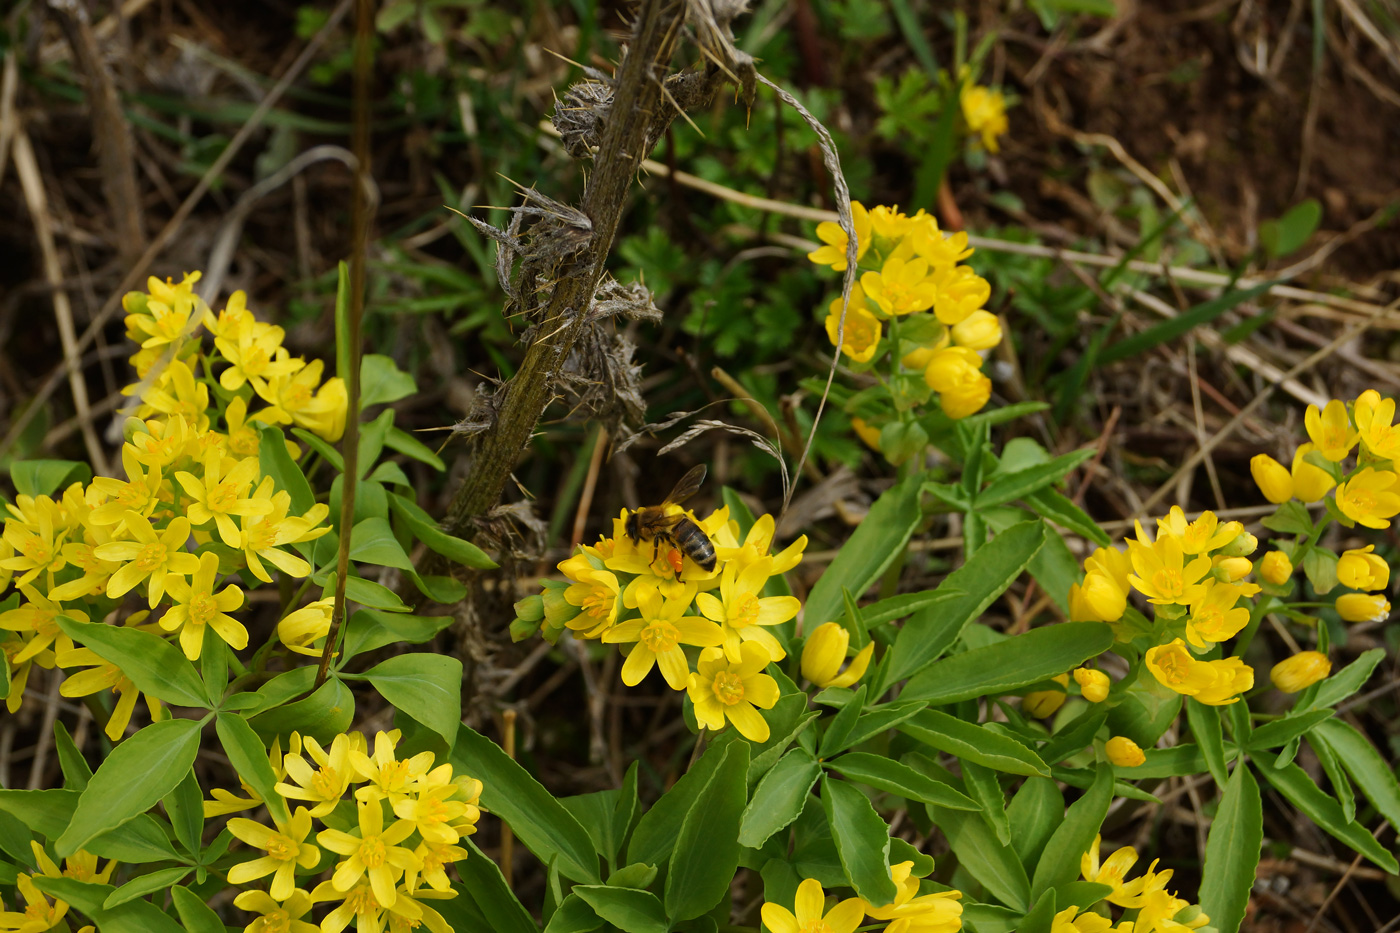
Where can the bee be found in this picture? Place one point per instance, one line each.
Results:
(668, 522)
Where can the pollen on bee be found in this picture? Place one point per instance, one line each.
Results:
(676, 559)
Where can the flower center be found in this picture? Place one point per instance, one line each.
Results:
(598, 602)
(255, 361)
(282, 848)
(1209, 620)
(745, 612)
(203, 608)
(297, 397)
(151, 557)
(1363, 500)
(261, 536)
(38, 550)
(659, 636)
(326, 783)
(1176, 668)
(222, 497)
(134, 495)
(373, 852)
(276, 920)
(814, 926)
(1167, 581)
(393, 775)
(243, 441)
(1334, 436)
(728, 688)
(362, 900)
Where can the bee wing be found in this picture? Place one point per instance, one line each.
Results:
(688, 485)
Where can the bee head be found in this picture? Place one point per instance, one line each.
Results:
(633, 526)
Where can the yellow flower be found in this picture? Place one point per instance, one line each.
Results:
(38, 616)
(1363, 607)
(870, 435)
(1310, 483)
(234, 314)
(1092, 684)
(274, 917)
(36, 549)
(302, 629)
(1300, 671)
(1373, 417)
(980, 330)
(1159, 907)
(39, 913)
(1043, 704)
(388, 777)
(19, 671)
(1276, 568)
(433, 860)
(900, 287)
(1176, 669)
(294, 399)
(756, 545)
(432, 809)
(659, 634)
(1162, 573)
(264, 536)
(1113, 871)
(890, 223)
(959, 292)
(177, 392)
(1099, 598)
(162, 442)
(722, 689)
(742, 610)
(833, 253)
(984, 112)
(197, 606)
(137, 494)
(1066, 921)
(358, 904)
(243, 439)
(1274, 481)
(1367, 498)
(150, 557)
(1112, 563)
(375, 852)
(939, 248)
(808, 914)
(1201, 536)
(222, 494)
(224, 802)
(598, 597)
(168, 311)
(1232, 677)
(1363, 570)
(1214, 617)
(100, 675)
(255, 351)
(825, 651)
(1331, 430)
(1124, 752)
(912, 913)
(327, 782)
(861, 337)
(666, 570)
(955, 373)
(286, 848)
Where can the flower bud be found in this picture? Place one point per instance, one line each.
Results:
(1274, 481)
(1300, 671)
(1124, 752)
(1363, 570)
(980, 330)
(531, 608)
(1276, 568)
(1093, 684)
(955, 373)
(557, 609)
(1042, 704)
(1363, 607)
(824, 653)
(1098, 599)
(868, 434)
(1233, 568)
(1310, 483)
(1242, 545)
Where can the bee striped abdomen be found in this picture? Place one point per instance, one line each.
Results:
(694, 543)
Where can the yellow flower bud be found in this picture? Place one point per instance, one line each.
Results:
(1234, 568)
(1098, 599)
(980, 330)
(1363, 570)
(1310, 483)
(918, 359)
(1300, 671)
(865, 432)
(1093, 684)
(1363, 607)
(824, 652)
(1274, 481)
(1042, 704)
(1276, 568)
(1241, 545)
(955, 373)
(1124, 752)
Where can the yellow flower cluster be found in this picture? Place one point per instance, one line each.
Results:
(194, 505)
(654, 601)
(406, 819)
(1192, 575)
(1151, 907)
(39, 912)
(984, 112)
(910, 912)
(913, 280)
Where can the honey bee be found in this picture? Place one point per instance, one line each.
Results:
(668, 522)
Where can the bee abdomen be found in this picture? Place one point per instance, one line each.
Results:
(696, 545)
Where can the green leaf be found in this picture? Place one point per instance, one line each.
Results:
(706, 853)
(995, 866)
(537, 818)
(426, 686)
(1009, 665)
(75, 768)
(185, 807)
(430, 533)
(1178, 326)
(1205, 726)
(627, 909)
(1145, 712)
(195, 915)
(494, 898)
(1075, 734)
(841, 725)
(1291, 518)
(876, 542)
(153, 664)
(654, 838)
(322, 447)
(862, 841)
(1010, 486)
(372, 541)
(1300, 789)
(1286, 236)
(46, 477)
(402, 442)
(982, 784)
(325, 714)
(876, 721)
(1039, 917)
(135, 842)
(1232, 852)
(889, 775)
(371, 629)
(1348, 680)
(274, 461)
(1320, 567)
(47, 812)
(637, 876)
(135, 776)
(573, 916)
(779, 797)
(142, 885)
(132, 917)
(905, 604)
(1059, 864)
(1282, 731)
(973, 742)
(248, 755)
(1371, 772)
(1049, 504)
(983, 578)
(381, 380)
(1034, 813)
